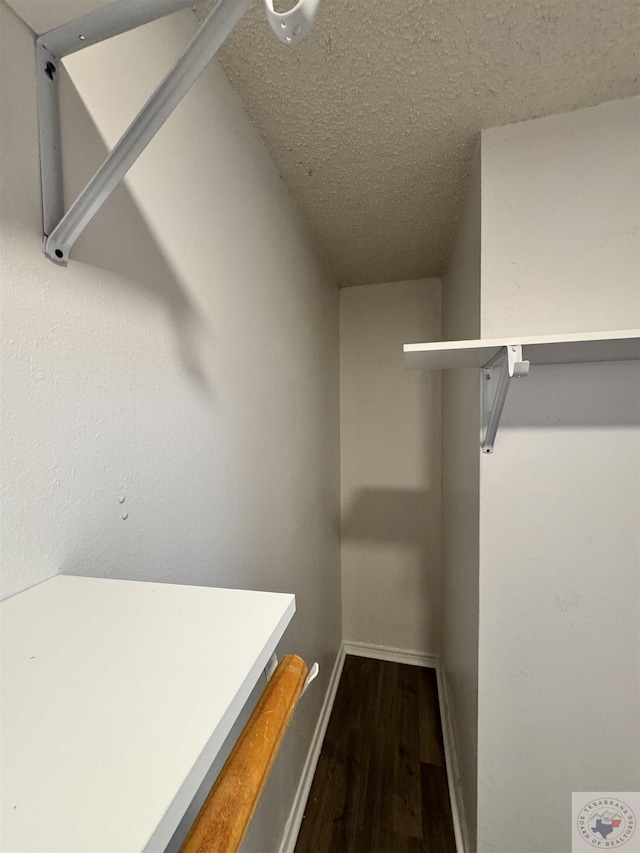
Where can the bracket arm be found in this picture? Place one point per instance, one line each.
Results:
(511, 365)
(105, 23)
(204, 45)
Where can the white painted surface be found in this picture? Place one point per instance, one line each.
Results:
(389, 653)
(541, 349)
(559, 506)
(460, 510)
(42, 15)
(141, 683)
(186, 360)
(560, 596)
(561, 249)
(390, 446)
(451, 761)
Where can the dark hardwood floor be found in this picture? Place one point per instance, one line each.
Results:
(381, 785)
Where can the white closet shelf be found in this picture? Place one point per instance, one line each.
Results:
(540, 349)
(116, 698)
(504, 359)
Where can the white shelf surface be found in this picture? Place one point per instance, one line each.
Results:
(541, 349)
(115, 698)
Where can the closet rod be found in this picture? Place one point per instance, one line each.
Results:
(224, 818)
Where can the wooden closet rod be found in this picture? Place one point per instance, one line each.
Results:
(224, 818)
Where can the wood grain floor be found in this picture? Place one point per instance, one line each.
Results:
(381, 785)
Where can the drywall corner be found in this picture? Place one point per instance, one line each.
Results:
(460, 501)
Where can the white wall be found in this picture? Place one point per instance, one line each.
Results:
(560, 598)
(390, 470)
(460, 500)
(561, 223)
(559, 646)
(186, 360)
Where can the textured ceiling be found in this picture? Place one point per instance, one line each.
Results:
(372, 120)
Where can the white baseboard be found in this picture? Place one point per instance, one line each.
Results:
(451, 759)
(390, 653)
(292, 827)
(386, 653)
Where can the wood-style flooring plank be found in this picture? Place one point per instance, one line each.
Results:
(372, 791)
(431, 744)
(349, 825)
(406, 796)
(383, 841)
(437, 823)
(324, 804)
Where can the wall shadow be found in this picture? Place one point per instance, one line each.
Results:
(396, 536)
(118, 239)
(388, 515)
(593, 395)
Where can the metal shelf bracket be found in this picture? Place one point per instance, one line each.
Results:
(497, 375)
(61, 230)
